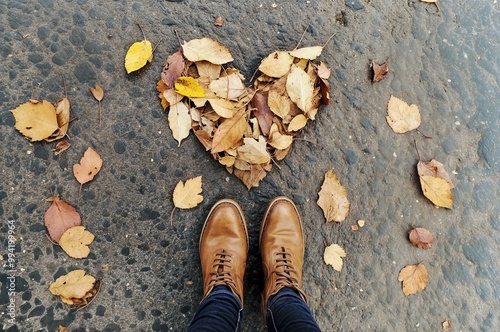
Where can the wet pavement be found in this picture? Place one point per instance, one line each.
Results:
(446, 62)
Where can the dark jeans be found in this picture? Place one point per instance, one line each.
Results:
(221, 311)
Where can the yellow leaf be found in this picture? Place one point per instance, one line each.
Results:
(189, 87)
(278, 104)
(75, 242)
(414, 278)
(36, 120)
(229, 132)
(179, 121)
(223, 107)
(333, 256)
(206, 49)
(333, 198)
(401, 116)
(309, 53)
(227, 161)
(300, 88)
(253, 151)
(280, 141)
(89, 166)
(75, 284)
(434, 168)
(187, 195)
(276, 64)
(437, 190)
(138, 55)
(297, 123)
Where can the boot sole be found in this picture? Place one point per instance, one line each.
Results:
(233, 203)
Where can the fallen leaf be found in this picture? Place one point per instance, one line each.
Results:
(437, 190)
(280, 141)
(89, 166)
(138, 55)
(218, 21)
(75, 242)
(60, 217)
(75, 284)
(62, 329)
(172, 97)
(189, 87)
(278, 104)
(361, 223)
(421, 238)
(229, 87)
(61, 147)
(253, 176)
(446, 325)
(253, 151)
(379, 72)
(401, 116)
(276, 64)
(309, 53)
(63, 116)
(208, 69)
(297, 123)
(223, 107)
(333, 198)
(333, 256)
(36, 120)
(434, 168)
(173, 68)
(206, 49)
(414, 278)
(300, 88)
(187, 196)
(262, 111)
(355, 227)
(229, 132)
(98, 94)
(179, 121)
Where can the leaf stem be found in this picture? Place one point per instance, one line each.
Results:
(426, 136)
(416, 148)
(302, 37)
(172, 216)
(100, 114)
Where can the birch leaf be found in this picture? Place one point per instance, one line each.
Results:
(276, 64)
(300, 88)
(36, 120)
(138, 55)
(309, 53)
(333, 198)
(189, 87)
(228, 87)
(173, 69)
(179, 121)
(278, 104)
(414, 278)
(187, 196)
(297, 123)
(434, 168)
(333, 256)
(402, 117)
(253, 151)
(206, 49)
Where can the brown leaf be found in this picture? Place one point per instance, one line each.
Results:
(434, 168)
(97, 92)
(262, 111)
(36, 120)
(89, 166)
(75, 242)
(333, 198)
(218, 21)
(252, 177)
(173, 69)
(379, 72)
(204, 138)
(60, 217)
(230, 132)
(421, 238)
(229, 87)
(401, 116)
(253, 151)
(63, 116)
(414, 278)
(61, 147)
(278, 104)
(62, 329)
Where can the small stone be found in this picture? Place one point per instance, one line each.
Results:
(85, 73)
(120, 147)
(354, 4)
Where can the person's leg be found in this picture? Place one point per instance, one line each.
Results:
(220, 311)
(223, 254)
(287, 311)
(284, 303)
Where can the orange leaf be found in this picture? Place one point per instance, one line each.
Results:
(230, 132)
(97, 92)
(414, 278)
(59, 217)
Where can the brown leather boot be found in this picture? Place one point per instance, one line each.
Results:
(282, 248)
(224, 248)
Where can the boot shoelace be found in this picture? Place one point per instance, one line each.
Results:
(221, 276)
(284, 270)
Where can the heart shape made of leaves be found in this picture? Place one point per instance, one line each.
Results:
(244, 128)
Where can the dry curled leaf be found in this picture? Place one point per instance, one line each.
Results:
(401, 116)
(173, 69)
(446, 325)
(60, 217)
(333, 198)
(187, 195)
(414, 278)
(61, 147)
(36, 120)
(333, 256)
(434, 168)
(218, 21)
(74, 285)
(63, 118)
(97, 92)
(89, 166)
(309, 53)
(421, 237)
(379, 71)
(75, 242)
